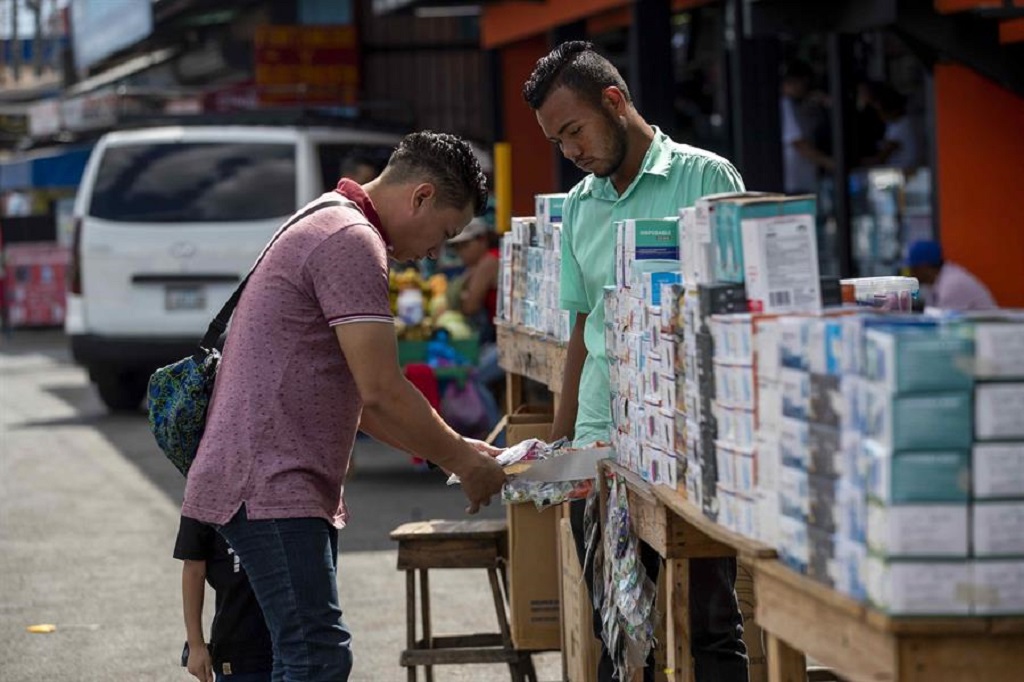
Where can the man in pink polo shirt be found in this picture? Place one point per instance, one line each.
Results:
(311, 358)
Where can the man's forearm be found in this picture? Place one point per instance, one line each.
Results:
(193, 587)
(371, 426)
(408, 422)
(568, 404)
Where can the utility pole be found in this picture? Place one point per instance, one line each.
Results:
(36, 7)
(15, 43)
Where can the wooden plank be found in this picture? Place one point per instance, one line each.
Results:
(484, 529)
(448, 554)
(828, 630)
(531, 355)
(926, 626)
(744, 547)
(785, 664)
(672, 534)
(960, 658)
(1006, 626)
(418, 657)
(463, 641)
(679, 662)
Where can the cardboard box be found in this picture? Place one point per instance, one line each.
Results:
(533, 574)
(917, 360)
(918, 530)
(780, 262)
(997, 411)
(999, 350)
(919, 476)
(998, 587)
(925, 421)
(581, 649)
(998, 528)
(920, 588)
(998, 470)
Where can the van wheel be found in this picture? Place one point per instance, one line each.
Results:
(122, 391)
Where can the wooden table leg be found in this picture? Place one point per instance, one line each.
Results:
(679, 660)
(425, 603)
(410, 618)
(785, 664)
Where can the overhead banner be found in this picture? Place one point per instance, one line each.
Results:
(316, 65)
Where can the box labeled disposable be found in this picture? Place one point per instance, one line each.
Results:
(729, 215)
(794, 443)
(825, 453)
(998, 410)
(794, 343)
(794, 494)
(999, 350)
(920, 588)
(796, 393)
(926, 421)
(998, 470)
(794, 546)
(998, 587)
(649, 239)
(914, 360)
(549, 208)
(918, 530)
(917, 476)
(998, 528)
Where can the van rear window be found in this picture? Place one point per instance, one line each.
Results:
(195, 182)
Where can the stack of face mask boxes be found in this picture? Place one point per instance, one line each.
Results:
(997, 481)
(916, 424)
(531, 255)
(640, 344)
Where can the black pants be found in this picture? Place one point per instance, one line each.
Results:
(716, 624)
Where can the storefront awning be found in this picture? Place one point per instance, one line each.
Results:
(49, 168)
(433, 8)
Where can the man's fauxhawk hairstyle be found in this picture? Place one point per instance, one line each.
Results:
(445, 160)
(577, 66)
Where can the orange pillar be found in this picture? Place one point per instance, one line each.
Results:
(980, 144)
(533, 160)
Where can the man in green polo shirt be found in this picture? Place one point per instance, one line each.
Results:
(635, 171)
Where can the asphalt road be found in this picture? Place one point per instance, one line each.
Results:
(88, 514)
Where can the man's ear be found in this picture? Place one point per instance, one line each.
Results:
(615, 100)
(421, 194)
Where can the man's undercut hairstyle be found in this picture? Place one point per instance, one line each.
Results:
(577, 66)
(446, 161)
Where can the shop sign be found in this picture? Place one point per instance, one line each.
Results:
(86, 112)
(307, 65)
(44, 118)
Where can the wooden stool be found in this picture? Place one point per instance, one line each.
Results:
(423, 545)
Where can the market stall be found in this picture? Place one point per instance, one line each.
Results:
(864, 462)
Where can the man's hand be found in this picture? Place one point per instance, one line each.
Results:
(200, 665)
(484, 448)
(481, 479)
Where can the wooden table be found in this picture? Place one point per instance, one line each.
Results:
(524, 354)
(679, 532)
(802, 617)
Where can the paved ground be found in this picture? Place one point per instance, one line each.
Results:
(88, 514)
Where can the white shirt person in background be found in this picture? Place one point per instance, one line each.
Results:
(946, 285)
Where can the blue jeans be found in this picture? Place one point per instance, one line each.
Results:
(243, 677)
(292, 565)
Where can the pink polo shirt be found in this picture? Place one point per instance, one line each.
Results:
(285, 408)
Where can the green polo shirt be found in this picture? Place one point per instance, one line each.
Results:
(672, 176)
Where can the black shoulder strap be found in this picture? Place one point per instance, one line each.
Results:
(220, 323)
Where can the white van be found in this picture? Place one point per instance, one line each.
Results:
(167, 222)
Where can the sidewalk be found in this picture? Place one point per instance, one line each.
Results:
(87, 528)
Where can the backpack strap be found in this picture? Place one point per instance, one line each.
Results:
(220, 322)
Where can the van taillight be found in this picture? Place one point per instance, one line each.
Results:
(75, 266)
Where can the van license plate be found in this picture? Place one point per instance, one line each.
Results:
(185, 298)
